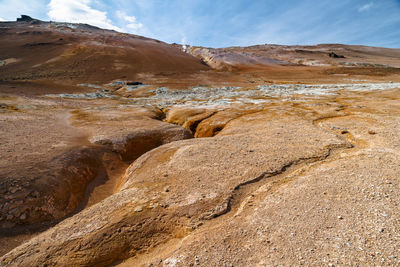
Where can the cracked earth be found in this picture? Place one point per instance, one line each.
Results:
(310, 181)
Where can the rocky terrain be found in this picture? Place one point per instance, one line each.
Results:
(319, 55)
(121, 150)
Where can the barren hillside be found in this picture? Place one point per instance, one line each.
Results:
(126, 151)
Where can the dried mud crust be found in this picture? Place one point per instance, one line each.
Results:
(171, 191)
(51, 193)
(156, 187)
(347, 209)
(43, 173)
(128, 131)
(49, 173)
(42, 179)
(338, 211)
(202, 122)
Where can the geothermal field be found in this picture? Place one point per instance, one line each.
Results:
(119, 150)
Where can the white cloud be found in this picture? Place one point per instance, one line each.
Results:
(365, 7)
(79, 11)
(12, 9)
(132, 23)
(1, 19)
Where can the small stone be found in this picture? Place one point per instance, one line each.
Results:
(23, 217)
(153, 205)
(340, 217)
(13, 190)
(371, 132)
(139, 209)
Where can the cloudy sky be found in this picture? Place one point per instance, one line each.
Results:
(221, 23)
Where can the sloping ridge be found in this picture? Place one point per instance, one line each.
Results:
(310, 55)
(79, 52)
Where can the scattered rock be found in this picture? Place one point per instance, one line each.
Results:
(12, 190)
(25, 18)
(134, 83)
(334, 55)
(138, 209)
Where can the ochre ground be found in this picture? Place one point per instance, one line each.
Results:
(286, 180)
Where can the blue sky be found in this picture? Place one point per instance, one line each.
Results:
(222, 23)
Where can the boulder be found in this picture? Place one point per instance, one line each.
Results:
(25, 18)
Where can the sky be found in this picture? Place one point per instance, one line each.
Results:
(223, 23)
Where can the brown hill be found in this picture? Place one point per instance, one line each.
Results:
(52, 55)
(73, 53)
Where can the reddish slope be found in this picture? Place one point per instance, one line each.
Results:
(48, 57)
(71, 53)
